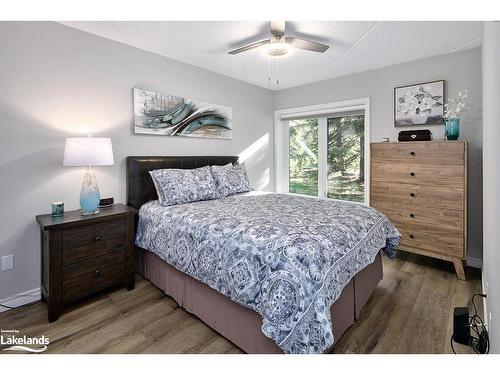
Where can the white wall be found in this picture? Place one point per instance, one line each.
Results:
(461, 71)
(57, 82)
(491, 180)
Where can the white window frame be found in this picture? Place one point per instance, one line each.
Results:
(281, 141)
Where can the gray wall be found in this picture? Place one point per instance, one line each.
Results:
(460, 70)
(491, 167)
(58, 82)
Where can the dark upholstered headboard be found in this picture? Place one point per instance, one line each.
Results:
(140, 187)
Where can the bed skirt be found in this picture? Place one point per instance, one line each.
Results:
(238, 324)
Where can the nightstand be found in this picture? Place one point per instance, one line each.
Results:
(82, 255)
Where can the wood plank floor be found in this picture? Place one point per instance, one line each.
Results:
(411, 311)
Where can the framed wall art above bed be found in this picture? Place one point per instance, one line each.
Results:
(161, 114)
(419, 104)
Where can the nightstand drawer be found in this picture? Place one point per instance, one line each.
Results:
(84, 278)
(92, 241)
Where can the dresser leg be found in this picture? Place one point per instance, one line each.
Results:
(53, 314)
(54, 310)
(459, 268)
(131, 283)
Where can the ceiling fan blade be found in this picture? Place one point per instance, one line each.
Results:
(249, 46)
(278, 28)
(306, 44)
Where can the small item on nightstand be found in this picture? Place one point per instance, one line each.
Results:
(106, 202)
(57, 208)
(414, 135)
(386, 139)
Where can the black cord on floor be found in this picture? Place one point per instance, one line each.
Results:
(451, 343)
(480, 342)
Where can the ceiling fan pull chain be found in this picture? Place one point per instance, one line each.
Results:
(269, 70)
(277, 73)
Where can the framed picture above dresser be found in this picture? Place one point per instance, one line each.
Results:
(422, 188)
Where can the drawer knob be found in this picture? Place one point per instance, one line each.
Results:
(412, 215)
(411, 235)
(412, 173)
(97, 238)
(412, 153)
(97, 272)
(412, 194)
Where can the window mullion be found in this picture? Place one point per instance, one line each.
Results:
(322, 157)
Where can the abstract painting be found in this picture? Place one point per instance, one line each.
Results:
(420, 104)
(161, 114)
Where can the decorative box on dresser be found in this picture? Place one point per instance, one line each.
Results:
(422, 188)
(82, 255)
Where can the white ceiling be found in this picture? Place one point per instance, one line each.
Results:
(355, 46)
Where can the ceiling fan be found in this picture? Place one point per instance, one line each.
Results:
(278, 45)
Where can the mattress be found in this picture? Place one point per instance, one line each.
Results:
(287, 258)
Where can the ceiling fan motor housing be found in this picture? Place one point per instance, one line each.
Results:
(277, 47)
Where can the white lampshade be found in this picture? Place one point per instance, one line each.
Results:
(82, 152)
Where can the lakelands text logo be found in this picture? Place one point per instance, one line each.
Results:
(23, 343)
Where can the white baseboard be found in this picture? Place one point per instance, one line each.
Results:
(20, 299)
(474, 262)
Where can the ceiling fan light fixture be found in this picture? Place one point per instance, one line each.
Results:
(277, 49)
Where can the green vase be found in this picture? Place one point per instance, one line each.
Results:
(452, 128)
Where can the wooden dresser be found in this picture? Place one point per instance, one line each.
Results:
(422, 188)
(82, 255)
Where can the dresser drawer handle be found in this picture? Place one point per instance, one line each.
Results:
(412, 153)
(412, 194)
(411, 235)
(412, 173)
(97, 272)
(97, 238)
(412, 215)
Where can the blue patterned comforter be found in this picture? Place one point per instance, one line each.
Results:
(285, 257)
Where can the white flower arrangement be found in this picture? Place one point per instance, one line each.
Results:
(452, 109)
(418, 100)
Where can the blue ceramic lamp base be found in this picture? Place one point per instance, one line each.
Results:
(89, 194)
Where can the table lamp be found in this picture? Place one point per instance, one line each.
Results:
(88, 152)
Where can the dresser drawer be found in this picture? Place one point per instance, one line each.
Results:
(447, 243)
(84, 278)
(92, 241)
(414, 174)
(412, 214)
(440, 153)
(419, 195)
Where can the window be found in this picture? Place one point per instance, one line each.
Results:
(324, 152)
(303, 157)
(346, 157)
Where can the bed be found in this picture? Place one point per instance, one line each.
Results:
(272, 273)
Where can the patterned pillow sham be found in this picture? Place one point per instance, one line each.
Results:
(177, 186)
(231, 179)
